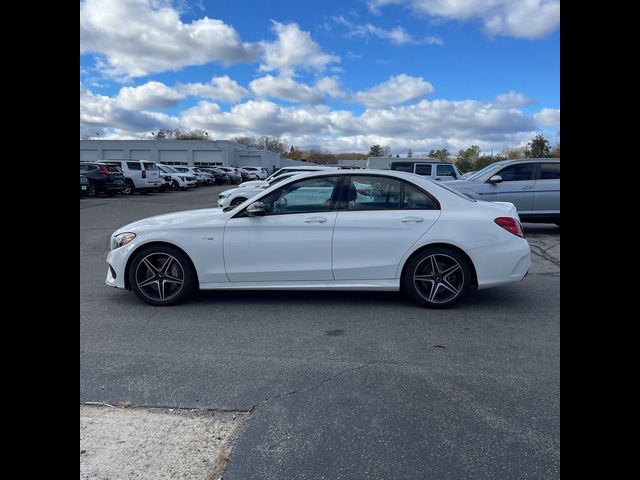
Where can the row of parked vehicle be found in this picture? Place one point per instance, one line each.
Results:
(111, 177)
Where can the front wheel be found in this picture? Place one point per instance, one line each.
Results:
(237, 201)
(161, 276)
(175, 185)
(437, 277)
(129, 187)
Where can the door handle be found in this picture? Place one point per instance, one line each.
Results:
(315, 220)
(412, 220)
(527, 187)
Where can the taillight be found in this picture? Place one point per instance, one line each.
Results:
(104, 170)
(510, 224)
(144, 174)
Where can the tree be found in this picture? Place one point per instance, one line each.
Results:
(467, 158)
(409, 153)
(442, 154)
(386, 151)
(177, 134)
(513, 153)
(539, 147)
(375, 151)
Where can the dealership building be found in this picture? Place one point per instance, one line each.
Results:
(183, 152)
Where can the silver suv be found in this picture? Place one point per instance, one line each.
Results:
(531, 184)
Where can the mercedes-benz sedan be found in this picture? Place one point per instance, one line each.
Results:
(339, 230)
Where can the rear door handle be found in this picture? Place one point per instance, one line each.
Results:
(411, 219)
(315, 220)
(527, 187)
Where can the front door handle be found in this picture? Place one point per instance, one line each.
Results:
(412, 220)
(527, 187)
(315, 220)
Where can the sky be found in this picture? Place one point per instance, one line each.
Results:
(336, 75)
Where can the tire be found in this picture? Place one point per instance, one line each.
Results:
(175, 185)
(237, 201)
(157, 282)
(92, 191)
(129, 187)
(450, 287)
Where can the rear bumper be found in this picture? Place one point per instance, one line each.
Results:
(502, 263)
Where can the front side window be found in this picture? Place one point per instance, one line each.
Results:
(305, 196)
(517, 173)
(134, 166)
(549, 171)
(422, 169)
(445, 170)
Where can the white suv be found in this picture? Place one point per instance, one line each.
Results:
(235, 196)
(258, 171)
(179, 180)
(139, 175)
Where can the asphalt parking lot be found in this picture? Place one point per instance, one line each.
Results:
(340, 385)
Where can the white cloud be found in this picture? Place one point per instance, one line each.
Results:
(293, 48)
(148, 95)
(549, 117)
(139, 37)
(396, 35)
(512, 99)
(286, 88)
(398, 89)
(220, 88)
(516, 18)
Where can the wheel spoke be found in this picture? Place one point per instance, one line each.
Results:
(423, 278)
(165, 267)
(161, 289)
(434, 291)
(172, 279)
(449, 287)
(147, 282)
(450, 270)
(434, 265)
(150, 266)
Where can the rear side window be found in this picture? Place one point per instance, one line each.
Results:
(445, 170)
(150, 166)
(402, 167)
(134, 166)
(549, 171)
(423, 170)
(414, 199)
(517, 173)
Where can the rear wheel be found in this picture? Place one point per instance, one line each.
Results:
(437, 277)
(129, 187)
(161, 275)
(91, 190)
(175, 185)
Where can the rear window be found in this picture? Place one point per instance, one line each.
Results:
(150, 166)
(134, 166)
(113, 168)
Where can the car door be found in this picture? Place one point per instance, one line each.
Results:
(134, 172)
(546, 193)
(291, 242)
(518, 182)
(379, 219)
(445, 172)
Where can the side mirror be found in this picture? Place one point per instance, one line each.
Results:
(256, 209)
(495, 179)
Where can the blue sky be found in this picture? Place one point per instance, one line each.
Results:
(335, 75)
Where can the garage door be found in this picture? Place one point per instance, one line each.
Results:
(180, 156)
(112, 154)
(201, 157)
(248, 161)
(88, 155)
(140, 154)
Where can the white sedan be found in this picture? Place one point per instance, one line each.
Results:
(235, 196)
(341, 230)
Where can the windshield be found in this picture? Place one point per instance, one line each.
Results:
(169, 169)
(486, 169)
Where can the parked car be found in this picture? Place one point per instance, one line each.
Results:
(103, 178)
(411, 233)
(200, 177)
(258, 171)
(284, 170)
(84, 185)
(235, 196)
(220, 176)
(435, 170)
(247, 176)
(532, 185)
(139, 175)
(179, 180)
(234, 176)
(209, 177)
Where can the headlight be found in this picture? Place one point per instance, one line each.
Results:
(121, 240)
(224, 195)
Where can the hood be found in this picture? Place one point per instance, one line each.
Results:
(454, 183)
(204, 216)
(253, 183)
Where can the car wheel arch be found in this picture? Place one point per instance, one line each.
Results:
(422, 248)
(133, 253)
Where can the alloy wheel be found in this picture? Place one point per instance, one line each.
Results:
(160, 276)
(439, 278)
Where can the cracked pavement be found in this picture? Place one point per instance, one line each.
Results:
(383, 399)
